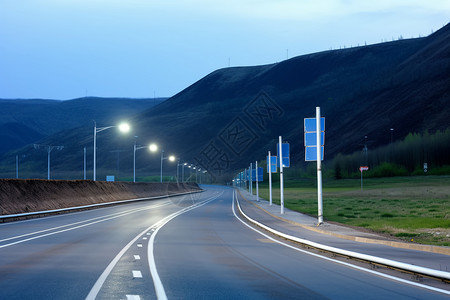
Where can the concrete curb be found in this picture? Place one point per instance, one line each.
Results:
(419, 247)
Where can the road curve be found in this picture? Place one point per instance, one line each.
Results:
(188, 247)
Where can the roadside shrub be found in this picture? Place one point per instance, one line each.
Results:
(387, 170)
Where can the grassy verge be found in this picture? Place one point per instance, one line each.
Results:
(414, 209)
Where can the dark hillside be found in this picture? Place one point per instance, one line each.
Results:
(363, 91)
(233, 116)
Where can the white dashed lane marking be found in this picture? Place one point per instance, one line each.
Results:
(137, 257)
(137, 274)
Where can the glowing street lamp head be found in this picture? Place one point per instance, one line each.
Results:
(172, 158)
(124, 127)
(153, 147)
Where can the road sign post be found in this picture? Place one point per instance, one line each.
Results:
(245, 178)
(250, 180)
(280, 158)
(257, 180)
(319, 168)
(283, 161)
(361, 169)
(269, 170)
(314, 151)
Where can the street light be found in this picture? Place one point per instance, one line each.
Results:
(170, 158)
(124, 127)
(152, 148)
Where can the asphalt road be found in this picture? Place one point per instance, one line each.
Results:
(187, 247)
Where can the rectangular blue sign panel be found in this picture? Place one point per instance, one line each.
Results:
(285, 156)
(311, 153)
(310, 138)
(272, 163)
(260, 174)
(310, 124)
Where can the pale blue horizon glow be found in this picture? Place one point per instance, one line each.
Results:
(65, 49)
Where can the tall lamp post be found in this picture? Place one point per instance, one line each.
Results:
(124, 127)
(49, 150)
(204, 172)
(170, 158)
(178, 171)
(152, 148)
(182, 172)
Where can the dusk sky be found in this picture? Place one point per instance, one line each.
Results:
(65, 49)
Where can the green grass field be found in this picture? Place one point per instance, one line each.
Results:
(411, 208)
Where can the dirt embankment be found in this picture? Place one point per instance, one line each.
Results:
(31, 195)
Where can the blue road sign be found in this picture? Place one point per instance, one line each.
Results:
(311, 153)
(311, 138)
(272, 163)
(260, 174)
(310, 124)
(285, 156)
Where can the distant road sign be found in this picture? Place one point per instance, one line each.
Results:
(272, 163)
(363, 168)
(311, 153)
(310, 124)
(285, 155)
(260, 174)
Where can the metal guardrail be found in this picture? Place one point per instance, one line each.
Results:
(370, 258)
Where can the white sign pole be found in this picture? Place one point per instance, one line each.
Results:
(270, 178)
(257, 188)
(319, 167)
(251, 180)
(361, 179)
(245, 178)
(281, 175)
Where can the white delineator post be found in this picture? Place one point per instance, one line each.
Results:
(270, 178)
(319, 167)
(280, 147)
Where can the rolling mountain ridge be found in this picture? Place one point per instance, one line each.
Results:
(26, 121)
(233, 116)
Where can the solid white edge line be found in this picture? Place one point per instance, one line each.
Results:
(159, 287)
(323, 257)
